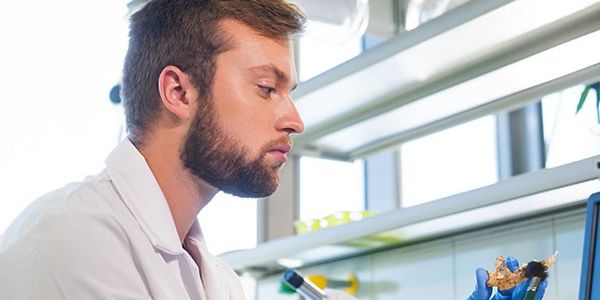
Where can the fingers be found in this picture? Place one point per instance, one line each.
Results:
(505, 295)
(541, 290)
(512, 263)
(481, 292)
(520, 290)
(482, 277)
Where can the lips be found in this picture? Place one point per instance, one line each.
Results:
(280, 152)
(283, 148)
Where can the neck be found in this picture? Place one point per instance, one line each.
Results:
(185, 193)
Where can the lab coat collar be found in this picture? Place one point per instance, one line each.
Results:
(134, 181)
(211, 269)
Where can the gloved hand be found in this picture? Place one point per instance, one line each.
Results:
(338, 295)
(483, 292)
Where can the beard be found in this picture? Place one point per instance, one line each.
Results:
(211, 155)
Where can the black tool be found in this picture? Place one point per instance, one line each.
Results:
(537, 272)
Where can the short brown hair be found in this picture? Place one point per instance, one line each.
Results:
(186, 34)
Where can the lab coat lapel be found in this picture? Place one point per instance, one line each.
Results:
(218, 280)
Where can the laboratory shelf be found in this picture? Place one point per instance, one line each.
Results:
(531, 194)
(480, 58)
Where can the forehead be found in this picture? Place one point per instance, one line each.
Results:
(249, 49)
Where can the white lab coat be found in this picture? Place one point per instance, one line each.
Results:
(109, 237)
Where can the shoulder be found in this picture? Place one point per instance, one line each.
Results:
(53, 215)
(71, 221)
(68, 239)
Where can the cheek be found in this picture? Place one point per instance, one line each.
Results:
(243, 116)
(248, 131)
(247, 123)
(247, 116)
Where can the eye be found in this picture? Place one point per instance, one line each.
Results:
(266, 90)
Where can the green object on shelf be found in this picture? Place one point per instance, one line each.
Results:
(584, 95)
(315, 225)
(334, 219)
(285, 289)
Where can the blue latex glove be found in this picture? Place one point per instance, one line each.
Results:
(483, 292)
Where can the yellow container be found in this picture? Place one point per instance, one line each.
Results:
(342, 217)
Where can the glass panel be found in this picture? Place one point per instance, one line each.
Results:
(570, 136)
(419, 12)
(321, 48)
(229, 223)
(448, 162)
(329, 186)
(505, 81)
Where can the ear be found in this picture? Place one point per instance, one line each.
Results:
(177, 92)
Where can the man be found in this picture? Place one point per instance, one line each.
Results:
(206, 88)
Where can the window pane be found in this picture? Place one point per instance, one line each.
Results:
(229, 223)
(321, 48)
(448, 162)
(329, 186)
(569, 136)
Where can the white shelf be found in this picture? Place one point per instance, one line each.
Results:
(455, 68)
(520, 196)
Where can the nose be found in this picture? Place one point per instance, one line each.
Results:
(290, 121)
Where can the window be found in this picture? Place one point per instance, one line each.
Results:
(329, 186)
(321, 48)
(229, 223)
(421, 11)
(569, 136)
(448, 162)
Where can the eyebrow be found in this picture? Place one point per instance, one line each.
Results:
(270, 68)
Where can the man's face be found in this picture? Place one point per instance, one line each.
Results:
(239, 138)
